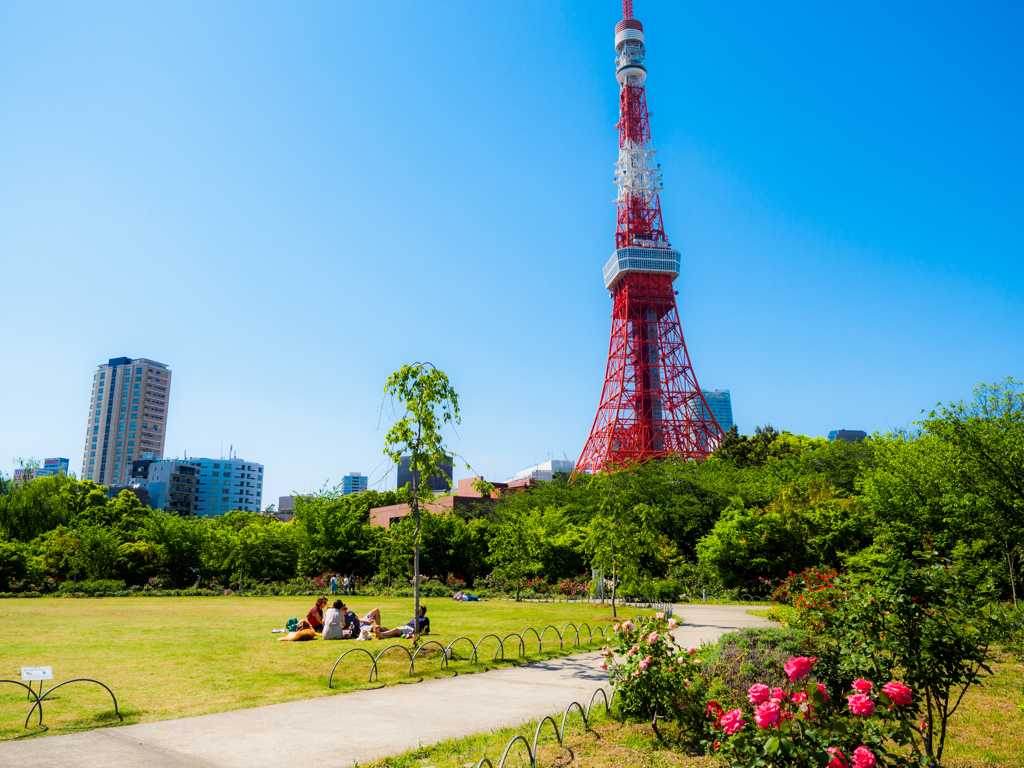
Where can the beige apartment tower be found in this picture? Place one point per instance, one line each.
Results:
(127, 417)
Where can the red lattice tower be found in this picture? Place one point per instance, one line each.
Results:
(651, 405)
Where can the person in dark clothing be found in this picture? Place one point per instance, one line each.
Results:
(406, 630)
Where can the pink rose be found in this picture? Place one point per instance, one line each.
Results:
(681, 659)
(862, 758)
(799, 697)
(838, 759)
(636, 674)
(631, 652)
(696, 662)
(691, 651)
(799, 667)
(758, 694)
(688, 683)
(778, 694)
(860, 704)
(602, 665)
(767, 714)
(652, 638)
(659, 615)
(732, 721)
(898, 693)
(862, 686)
(636, 648)
(821, 689)
(616, 628)
(645, 663)
(672, 623)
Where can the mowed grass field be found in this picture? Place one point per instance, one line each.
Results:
(172, 657)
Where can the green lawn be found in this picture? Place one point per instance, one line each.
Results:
(180, 656)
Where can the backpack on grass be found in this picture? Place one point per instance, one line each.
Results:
(292, 625)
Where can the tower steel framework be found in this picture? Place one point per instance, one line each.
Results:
(651, 405)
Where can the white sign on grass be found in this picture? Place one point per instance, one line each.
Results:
(36, 673)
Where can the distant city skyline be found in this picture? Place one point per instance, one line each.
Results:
(211, 187)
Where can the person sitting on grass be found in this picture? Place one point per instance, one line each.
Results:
(352, 623)
(303, 632)
(406, 630)
(334, 622)
(315, 617)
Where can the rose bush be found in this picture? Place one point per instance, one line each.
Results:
(797, 725)
(655, 681)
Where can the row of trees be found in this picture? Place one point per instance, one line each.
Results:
(762, 506)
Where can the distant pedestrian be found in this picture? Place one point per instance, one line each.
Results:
(345, 582)
(334, 585)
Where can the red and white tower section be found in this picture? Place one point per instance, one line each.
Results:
(651, 405)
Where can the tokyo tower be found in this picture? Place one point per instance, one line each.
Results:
(651, 405)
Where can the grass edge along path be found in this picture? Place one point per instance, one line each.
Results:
(179, 657)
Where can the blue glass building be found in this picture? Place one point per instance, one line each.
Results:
(720, 403)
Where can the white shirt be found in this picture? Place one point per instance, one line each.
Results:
(333, 624)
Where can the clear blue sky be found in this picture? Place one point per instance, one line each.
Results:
(285, 202)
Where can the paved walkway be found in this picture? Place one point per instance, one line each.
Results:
(354, 727)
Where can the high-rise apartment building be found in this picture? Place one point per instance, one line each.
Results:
(720, 403)
(226, 485)
(127, 416)
(354, 482)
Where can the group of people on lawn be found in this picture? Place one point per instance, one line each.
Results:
(340, 623)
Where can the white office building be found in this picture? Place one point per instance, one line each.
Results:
(225, 485)
(544, 471)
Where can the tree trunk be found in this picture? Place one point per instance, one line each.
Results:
(416, 548)
(615, 583)
(519, 565)
(1013, 583)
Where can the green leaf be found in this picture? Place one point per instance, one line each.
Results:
(772, 746)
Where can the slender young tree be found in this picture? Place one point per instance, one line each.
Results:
(621, 530)
(428, 402)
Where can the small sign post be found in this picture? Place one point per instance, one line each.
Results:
(30, 674)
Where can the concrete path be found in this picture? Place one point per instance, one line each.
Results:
(355, 727)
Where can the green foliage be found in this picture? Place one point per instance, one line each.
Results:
(804, 527)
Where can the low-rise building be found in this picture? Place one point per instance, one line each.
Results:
(545, 470)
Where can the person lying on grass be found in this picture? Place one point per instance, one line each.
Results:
(464, 597)
(406, 630)
(304, 632)
(352, 624)
(315, 617)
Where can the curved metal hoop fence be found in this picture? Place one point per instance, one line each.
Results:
(531, 750)
(448, 654)
(40, 699)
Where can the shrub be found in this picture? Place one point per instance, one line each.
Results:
(92, 588)
(796, 584)
(923, 618)
(653, 680)
(741, 659)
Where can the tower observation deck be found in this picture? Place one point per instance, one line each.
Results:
(651, 405)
